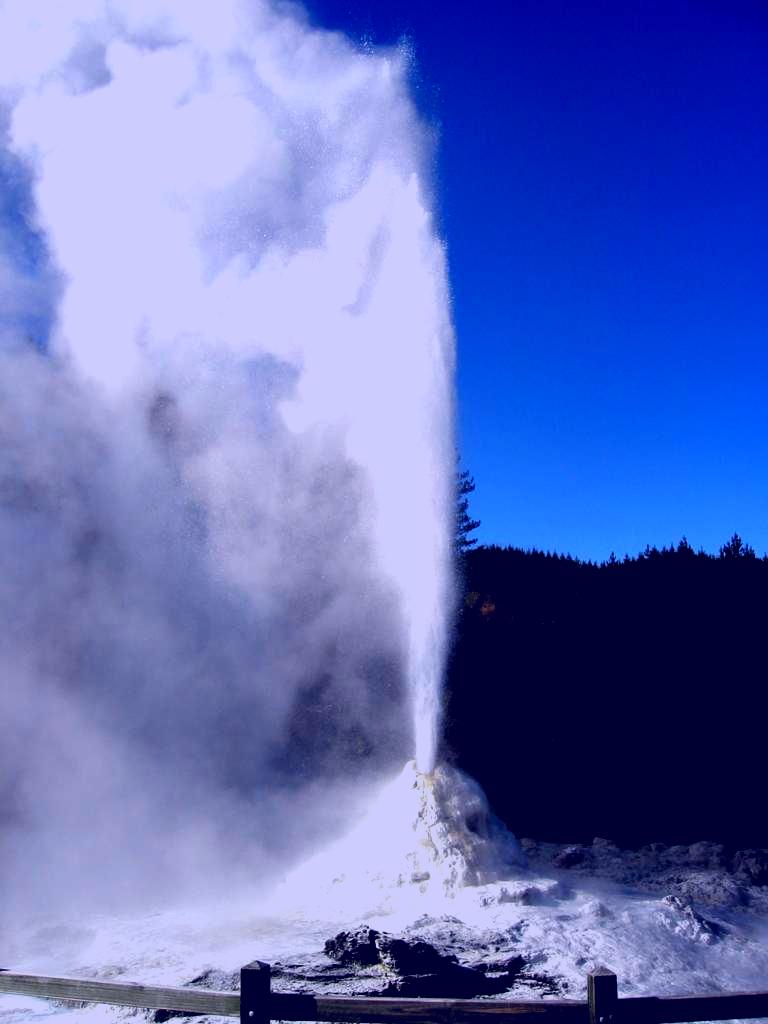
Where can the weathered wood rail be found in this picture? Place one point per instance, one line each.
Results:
(256, 1003)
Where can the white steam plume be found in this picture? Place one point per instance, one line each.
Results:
(225, 487)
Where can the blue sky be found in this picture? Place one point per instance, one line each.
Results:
(603, 183)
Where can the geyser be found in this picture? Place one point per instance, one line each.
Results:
(431, 835)
(227, 459)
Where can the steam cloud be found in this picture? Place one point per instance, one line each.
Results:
(225, 434)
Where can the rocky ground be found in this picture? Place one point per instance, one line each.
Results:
(366, 961)
(439, 914)
(697, 891)
(703, 873)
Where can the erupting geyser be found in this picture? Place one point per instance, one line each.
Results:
(227, 503)
(228, 452)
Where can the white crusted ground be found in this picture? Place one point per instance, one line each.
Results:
(477, 902)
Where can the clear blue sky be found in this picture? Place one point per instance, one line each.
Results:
(603, 182)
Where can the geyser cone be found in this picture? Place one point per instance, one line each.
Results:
(428, 834)
(459, 840)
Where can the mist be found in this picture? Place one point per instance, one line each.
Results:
(226, 449)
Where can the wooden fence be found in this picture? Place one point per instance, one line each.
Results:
(256, 1003)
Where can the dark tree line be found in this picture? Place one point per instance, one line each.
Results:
(622, 699)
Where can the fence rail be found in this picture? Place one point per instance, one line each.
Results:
(256, 1003)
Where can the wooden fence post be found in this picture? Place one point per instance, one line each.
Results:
(254, 993)
(602, 995)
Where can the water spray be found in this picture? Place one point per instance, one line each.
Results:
(233, 447)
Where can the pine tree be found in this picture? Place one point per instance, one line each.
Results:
(464, 523)
(736, 548)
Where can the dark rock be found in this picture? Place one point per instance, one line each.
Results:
(571, 857)
(751, 866)
(452, 981)
(542, 984)
(510, 967)
(161, 1016)
(701, 871)
(411, 957)
(355, 947)
(712, 888)
(417, 968)
(707, 855)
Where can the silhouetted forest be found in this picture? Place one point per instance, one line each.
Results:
(622, 700)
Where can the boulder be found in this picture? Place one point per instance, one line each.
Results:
(712, 889)
(416, 968)
(572, 856)
(751, 866)
(411, 957)
(355, 947)
(452, 981)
